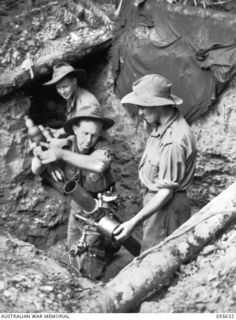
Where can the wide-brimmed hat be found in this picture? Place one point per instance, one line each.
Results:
(63, 69)
(151, 90)
(93, 112)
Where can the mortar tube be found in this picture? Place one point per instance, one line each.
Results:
(80, 196)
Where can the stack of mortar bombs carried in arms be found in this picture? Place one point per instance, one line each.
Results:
(38, 134)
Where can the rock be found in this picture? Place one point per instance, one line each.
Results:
(18, 278)
(2, 285)
(59, 296)
(54, 34)
(7, 293)
(228, 264)
(51, 296)
(46, 288)
(11, 294)
(208, 249)
(225, 237)
(41, 296)
(37, 279)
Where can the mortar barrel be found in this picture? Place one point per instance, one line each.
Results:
(73, 189)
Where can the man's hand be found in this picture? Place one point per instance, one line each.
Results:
(52, 154)
(37, 150)
(58, 143)
(58, 133)
(124, 230)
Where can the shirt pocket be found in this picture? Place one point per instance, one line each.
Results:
(152, 167)
(95, 182)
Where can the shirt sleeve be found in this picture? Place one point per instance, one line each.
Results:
(172, 163)
(103, 155)
(99, 181)
(103, 152)
(87, 98)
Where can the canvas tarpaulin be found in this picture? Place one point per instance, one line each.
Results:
(192, 47)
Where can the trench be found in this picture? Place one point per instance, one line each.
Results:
(39, 214)
(41, 207)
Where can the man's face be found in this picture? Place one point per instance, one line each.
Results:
(151, 114)
(87, 133)
(66, 87)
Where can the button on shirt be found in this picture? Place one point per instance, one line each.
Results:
(81, 98)
(170, 156)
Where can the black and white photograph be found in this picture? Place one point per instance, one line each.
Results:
(118, 159)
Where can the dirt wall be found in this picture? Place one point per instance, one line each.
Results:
(30, 210)
(216, 141)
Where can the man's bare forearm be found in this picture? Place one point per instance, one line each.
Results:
(84, 162)
(155, 204)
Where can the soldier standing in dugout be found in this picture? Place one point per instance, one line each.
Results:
(90, 160)
(167, 165)
(68, 81)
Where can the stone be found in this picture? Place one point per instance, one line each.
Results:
(208, 250)
(19, 278)
(46, 288)
(11, 294)
(2, 285)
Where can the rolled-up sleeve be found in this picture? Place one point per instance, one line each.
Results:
(172, 163)
(99, 181)
(103, 155)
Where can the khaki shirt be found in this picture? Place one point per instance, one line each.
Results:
(170, 156)
(91, 181)
(81, 98)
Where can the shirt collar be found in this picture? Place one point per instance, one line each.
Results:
(161, 129)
